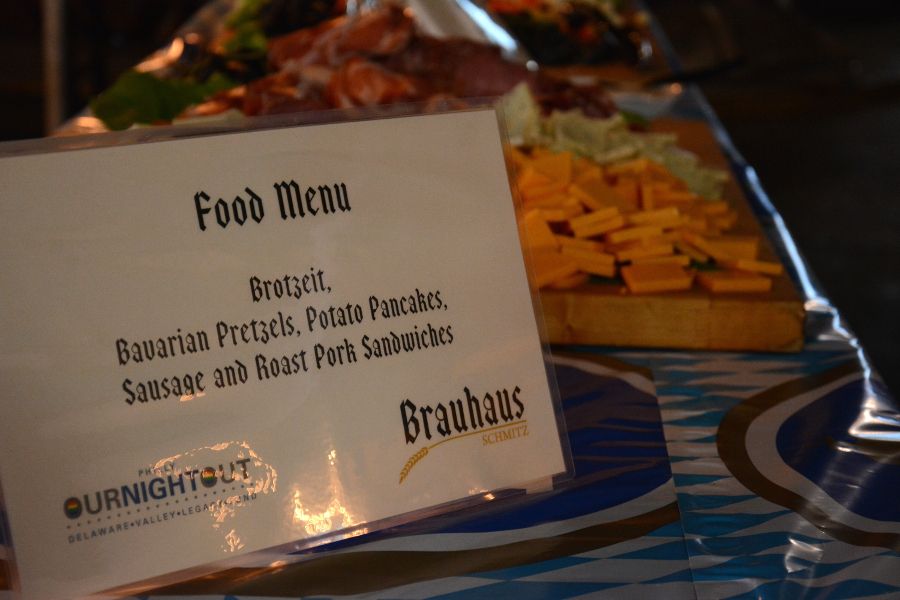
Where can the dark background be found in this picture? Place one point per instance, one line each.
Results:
(810, 92)
(808, 89)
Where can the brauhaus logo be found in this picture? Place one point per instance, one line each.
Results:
(497, 416)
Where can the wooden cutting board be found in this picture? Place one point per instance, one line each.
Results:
(607, 314)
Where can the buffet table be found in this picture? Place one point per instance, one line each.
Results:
(715, 474)
(703, 474)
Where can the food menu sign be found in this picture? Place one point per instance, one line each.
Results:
(217, 345)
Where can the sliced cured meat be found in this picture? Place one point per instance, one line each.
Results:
(362, 83)
(263, 94)
(299, 45)
(553, 94)
(377, 58)
(461, 67)
(378, 33)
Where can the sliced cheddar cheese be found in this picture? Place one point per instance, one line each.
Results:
(529, 177)
(719, 207)
(673, 197)
(754, 266)
(539, 194)
(678, 259)
(557, 167)
(725, 221)
(692, 252)
(653, 227)
(654, 217)
(586, 264)
(598, 216)
(627, 189)
(595, 194)
(719, 282)
(647, 197)
(630, 167)
(549, 267)
(589, 255)
(560, 213)
(633, 233)
(735, 246)
(537, 233)
(702, 244)
(649, 278)
(643, 251)
(602, 227)
(590, 245)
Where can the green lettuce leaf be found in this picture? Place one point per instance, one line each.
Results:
(144, 98)
(246, 11)
(248, 42)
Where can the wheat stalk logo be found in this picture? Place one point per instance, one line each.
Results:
(412, 462)
(415, 458)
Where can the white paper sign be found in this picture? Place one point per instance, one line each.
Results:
(217, 345)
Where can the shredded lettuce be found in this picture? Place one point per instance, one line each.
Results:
(604, 140)
(521, 114)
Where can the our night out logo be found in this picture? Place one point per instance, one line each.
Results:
(155, 489)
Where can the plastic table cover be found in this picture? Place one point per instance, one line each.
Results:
(785, 464)
(614, 526)
(785, 468)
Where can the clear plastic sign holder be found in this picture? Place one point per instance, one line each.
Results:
(196, 312)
